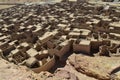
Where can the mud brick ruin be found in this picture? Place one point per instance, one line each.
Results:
(35, 35)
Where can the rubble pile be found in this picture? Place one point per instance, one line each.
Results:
(35, 35)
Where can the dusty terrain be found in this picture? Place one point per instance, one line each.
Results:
(98, 67)
(5, 6)
(9, 71)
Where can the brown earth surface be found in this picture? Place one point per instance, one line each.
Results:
(10, 71)
(5, 6)
(102, 68)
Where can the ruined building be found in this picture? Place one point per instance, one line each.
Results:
(38, 35)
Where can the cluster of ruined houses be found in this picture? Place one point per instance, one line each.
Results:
(34, 35)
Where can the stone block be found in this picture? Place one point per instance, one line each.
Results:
(82, 46)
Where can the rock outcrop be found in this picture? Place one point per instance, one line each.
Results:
(98, 67)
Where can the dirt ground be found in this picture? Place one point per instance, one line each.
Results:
(5, 6)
